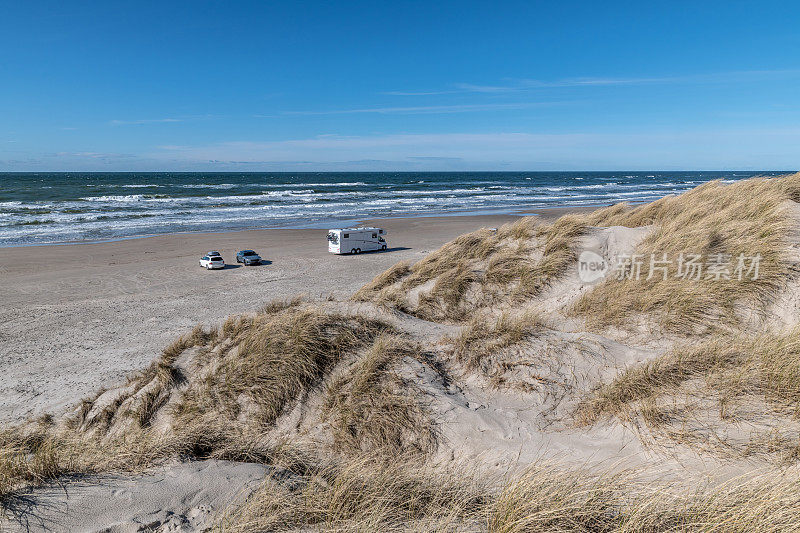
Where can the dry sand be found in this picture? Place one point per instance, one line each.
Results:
(180, 497)
(82, 316)
(77, 317)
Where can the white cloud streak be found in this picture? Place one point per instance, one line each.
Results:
(522, 85)
(423, 110)
(144, 121)
(687, 150)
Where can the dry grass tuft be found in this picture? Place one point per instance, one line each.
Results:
(277, 357)
(405, 495)
(747, 217)
(551, 499)
(522, 230)
(554, 500)
(33, 455)
(767, 365)
(516, 261)
(29, 459)
(482, 337)
(720, 383)
(276, 306)
(363, 494)
(557, 255)
(510, 264)
(478, 245)
(372, 408)
(445, 300)
(389, 277)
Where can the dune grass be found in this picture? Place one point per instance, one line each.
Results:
(244, 375)
(389, 277)
(34, 454)
(512, 263)
(478, 245)
(518, 265)
(767, 365)
(718, 221)
(362, 494)
(722, 382)
(147, 390)
(405, 495)
(553, 499)
(523, 229)
(484, 336)
(445, 300)
(452, 268)
(371, 407)
(748, 218)
(558, 254)
(277, 356)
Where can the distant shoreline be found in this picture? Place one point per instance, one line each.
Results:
(54, 208)
(321, 225)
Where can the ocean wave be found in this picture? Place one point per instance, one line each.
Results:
(126, 198)
(246, 201)
(336, 184)
(208, 186)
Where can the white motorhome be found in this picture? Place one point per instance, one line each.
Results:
(356, 240)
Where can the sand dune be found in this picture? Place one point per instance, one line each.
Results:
(483, 386)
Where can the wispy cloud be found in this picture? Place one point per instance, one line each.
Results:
(768, 148)
(167, 120)
(144, 121)
(419, 93)
(436, 109)
(94, 155)
(520, 85)
(514, 150)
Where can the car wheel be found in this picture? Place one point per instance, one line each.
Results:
(383, 247)
(358, 250)
(353, 251)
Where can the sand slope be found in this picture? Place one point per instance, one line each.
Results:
(180, 497)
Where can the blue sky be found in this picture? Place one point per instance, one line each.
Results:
(308, 86)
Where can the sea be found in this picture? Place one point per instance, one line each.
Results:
(54, 208)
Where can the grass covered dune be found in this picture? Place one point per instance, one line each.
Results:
(431, 399)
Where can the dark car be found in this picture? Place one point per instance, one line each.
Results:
(248, 257)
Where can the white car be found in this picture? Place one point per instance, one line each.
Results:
(212, 262)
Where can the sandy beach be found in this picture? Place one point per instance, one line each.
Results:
(77, 317)
(493, 351)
